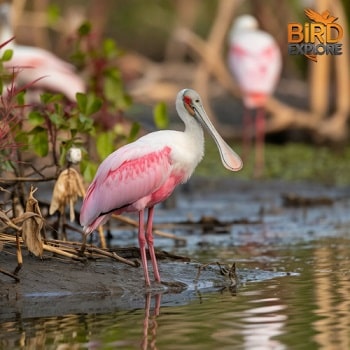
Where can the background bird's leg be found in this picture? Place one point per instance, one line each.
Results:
(142, 244)
(247, 130)
(259, 146)
(149, 239)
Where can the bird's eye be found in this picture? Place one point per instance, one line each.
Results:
(197, 101)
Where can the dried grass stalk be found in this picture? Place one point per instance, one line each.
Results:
(32, 225)
(7, 221)
(62, 252)
(68, 187)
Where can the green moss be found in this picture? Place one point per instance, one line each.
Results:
(291, 162)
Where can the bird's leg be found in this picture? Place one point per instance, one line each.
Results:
(142, 244)
(149, 239)
(260, 136)
(247, 128)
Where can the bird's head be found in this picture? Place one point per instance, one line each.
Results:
(191, 101)
(242, 24)
(189, 106)
(246, 22)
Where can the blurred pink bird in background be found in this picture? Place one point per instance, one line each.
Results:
(34, 63)
(143, 173)
(255, 61)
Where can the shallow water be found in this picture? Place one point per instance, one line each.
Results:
(296, 296)
(307, 309)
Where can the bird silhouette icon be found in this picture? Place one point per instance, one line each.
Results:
(324, 18)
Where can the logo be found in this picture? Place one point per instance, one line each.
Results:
(320, 36)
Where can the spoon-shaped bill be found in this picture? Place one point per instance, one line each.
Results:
(230, 159)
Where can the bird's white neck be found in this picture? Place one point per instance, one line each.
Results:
(192, 126)
(193, 137)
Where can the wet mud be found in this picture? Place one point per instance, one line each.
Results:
(209, 214)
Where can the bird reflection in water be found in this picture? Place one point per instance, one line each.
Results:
(150, 321)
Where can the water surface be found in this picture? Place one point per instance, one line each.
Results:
(295, 293)
(309, 309)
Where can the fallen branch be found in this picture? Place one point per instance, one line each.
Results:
(26, 179)
(9, 274)
(71, 249)
(112, 255)
(62, 252)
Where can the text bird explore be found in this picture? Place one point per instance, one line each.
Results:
(145, 172)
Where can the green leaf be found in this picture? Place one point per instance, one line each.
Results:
(85, 124)
(53, 14)
(72, 123)
(114, 90)
(22, 140)
(134, 131)
(105, 144)
(6, 165)
(7, 55)
(35, 118)
(112, 86)
(40, 142)
(94, 104)
(78, 58)
(88, 104)
(20, 97)
(81, 101)
(88, 169)
(47, 98)
(160, 115)
(62, 159)
(109, 48)
(84, 29)
(57, 119)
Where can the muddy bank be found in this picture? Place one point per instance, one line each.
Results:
(249, 212)
(53, 287)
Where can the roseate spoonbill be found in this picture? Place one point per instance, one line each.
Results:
(255, 60)
(57, 75)
(143, 173)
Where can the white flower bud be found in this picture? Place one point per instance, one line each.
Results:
(74, 155)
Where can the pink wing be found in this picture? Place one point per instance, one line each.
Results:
(37, 57)
(255, 60)
(125, 180)
(57, 74)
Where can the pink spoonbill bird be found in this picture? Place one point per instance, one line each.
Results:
(34, 63)
(141, 174)
(255, 61)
